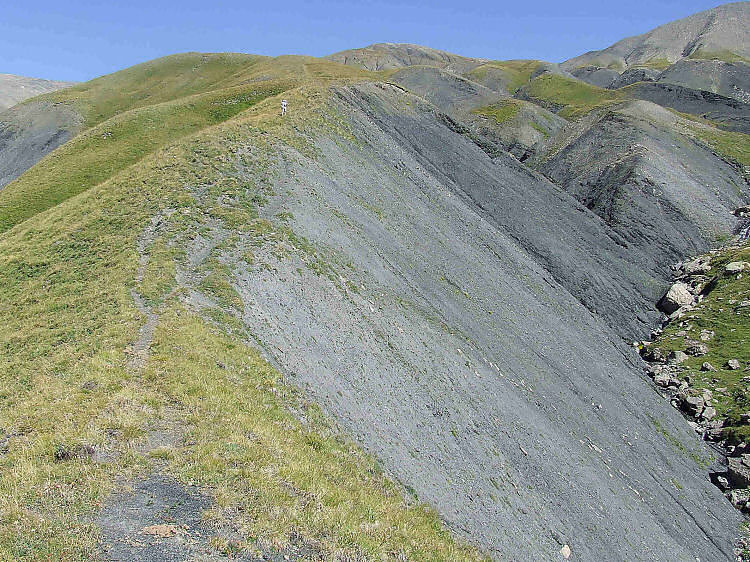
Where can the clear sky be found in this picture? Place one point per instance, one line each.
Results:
(82, 39)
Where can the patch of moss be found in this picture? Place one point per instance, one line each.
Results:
(502, 111)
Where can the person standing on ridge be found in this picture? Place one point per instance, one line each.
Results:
(283, 107)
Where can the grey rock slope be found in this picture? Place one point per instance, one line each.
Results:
(14, 89)
(729, 113)
(444, 342)
(521, 134)
(385, 56)
(633, 75)
(449, 92)
(720, 31)
(664, 193)
(595, 75)
(30, 131)
(731, 80)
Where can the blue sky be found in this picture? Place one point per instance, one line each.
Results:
(79, 40)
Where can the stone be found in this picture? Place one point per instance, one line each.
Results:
(707, 367)
(653, 355)
(677, 357)
(662, 379)
(743, 211)
(722, 482)
(736, 267)
(734, 365)
(738, 473)
(707, 335)
(696, 349)
(709, 413)
(678, 296)
(697, 266)
(707, 395)
(565, 551)
(739, 497)
(693, 405)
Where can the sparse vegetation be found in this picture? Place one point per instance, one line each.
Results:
(502, 111)
(722, 314)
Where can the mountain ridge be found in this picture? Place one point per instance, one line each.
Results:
(15, 89)
(396, 322)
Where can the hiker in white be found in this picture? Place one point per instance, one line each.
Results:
(283, 107)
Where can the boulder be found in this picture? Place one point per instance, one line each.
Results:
(697, 266)
(679, 295)
(707, 367)
(739, 498)
(662, 379)
(677, 357)
(696, 349)
(743, 211)
(654, 355)
(734, 365)
(736, 267)
(739, 471)
(693, 405)
(709, 413)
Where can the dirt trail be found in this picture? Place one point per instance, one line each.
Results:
(140, 349)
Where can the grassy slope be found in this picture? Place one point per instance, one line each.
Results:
(502, 111)
(575, 97)
(68, 320)
(516, 72)
(131, 113)
(719, 313)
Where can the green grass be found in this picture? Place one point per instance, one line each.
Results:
(719, 313)
(132, 113)
(732, 145)
(726, 56)
(66, 271)
(502, 111)
(104, 150)
(575, 97)
(517, 73)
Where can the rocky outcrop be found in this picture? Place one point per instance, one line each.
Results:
(633, 75)
(596, 76)
(729, 79)
(729, 113)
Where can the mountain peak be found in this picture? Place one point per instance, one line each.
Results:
(387, 56)
(720, 32)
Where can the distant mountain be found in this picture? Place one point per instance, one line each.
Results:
(720, 33)
(14, 89)
(386, 56)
